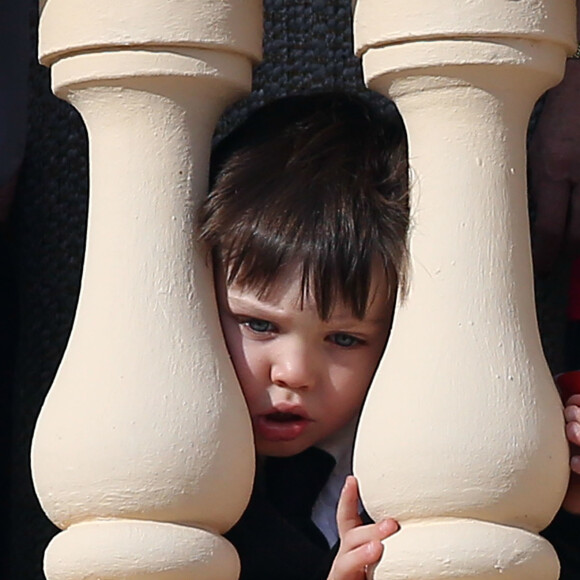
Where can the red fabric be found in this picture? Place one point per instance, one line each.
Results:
(574, 292)
(568, 384)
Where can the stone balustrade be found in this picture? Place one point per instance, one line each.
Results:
(143, 452)
(462, 437)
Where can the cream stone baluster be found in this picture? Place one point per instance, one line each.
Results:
(143, 451)
(461, 438)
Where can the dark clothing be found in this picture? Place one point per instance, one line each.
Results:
(564, 534)
(275, 537)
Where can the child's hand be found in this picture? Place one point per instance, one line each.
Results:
(360, 545)
(572, 416)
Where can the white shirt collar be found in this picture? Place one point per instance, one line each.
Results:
(340, 446)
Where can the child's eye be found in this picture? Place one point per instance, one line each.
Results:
(345, 340)
(257, 325)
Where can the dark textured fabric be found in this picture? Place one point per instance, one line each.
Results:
(275, 537)
(14, 51)
(564, 534)
(294, 483)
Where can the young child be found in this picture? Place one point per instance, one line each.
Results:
(307, 222)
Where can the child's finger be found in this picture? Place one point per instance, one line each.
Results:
(573, 432)
(347, 516)
(573, 400)
(361, 535)
(350, 566)
(572, 413)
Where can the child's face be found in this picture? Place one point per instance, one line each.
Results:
(303, 378)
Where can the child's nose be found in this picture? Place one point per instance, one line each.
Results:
(295, 368)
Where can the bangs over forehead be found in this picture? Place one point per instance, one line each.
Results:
(316, 181)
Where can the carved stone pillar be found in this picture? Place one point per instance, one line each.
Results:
(143, 452)
(462, 438)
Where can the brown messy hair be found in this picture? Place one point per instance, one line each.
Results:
(320, 181)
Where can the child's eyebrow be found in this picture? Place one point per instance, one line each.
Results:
(355, 321)
(252, 303)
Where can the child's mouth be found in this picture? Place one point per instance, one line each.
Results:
(280, 425)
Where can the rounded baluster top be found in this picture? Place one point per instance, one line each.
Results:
(378, 23)
(73, 26)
